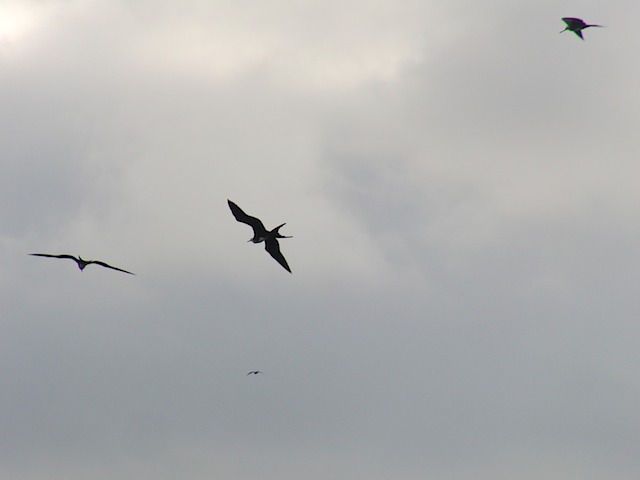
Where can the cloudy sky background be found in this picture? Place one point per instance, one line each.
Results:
(461, 183)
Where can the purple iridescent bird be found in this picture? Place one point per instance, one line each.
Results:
(576, 26)
(261, 234)
(81, 262)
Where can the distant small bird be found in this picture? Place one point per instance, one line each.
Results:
(261, 234)
(81, 262)
(255, 372)
(576, 26)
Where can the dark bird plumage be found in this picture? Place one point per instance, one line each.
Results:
(261, 234)
(576, 26)
(255, 372)
(81, 262)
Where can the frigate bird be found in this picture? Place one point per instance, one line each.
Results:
(261, 234)
(255, 372)
(576, 26)
(81, 262)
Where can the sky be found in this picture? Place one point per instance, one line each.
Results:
(461, 185)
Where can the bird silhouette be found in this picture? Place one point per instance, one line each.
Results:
(81, 262)
(261, 234)
(255, 372)
(576, 26)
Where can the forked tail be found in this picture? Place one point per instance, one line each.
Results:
(276, 233)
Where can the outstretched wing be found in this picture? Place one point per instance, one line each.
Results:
(573, 22)
(71, 257)
(242, 217)
(579, 33)
(272, 246)
(106, 265)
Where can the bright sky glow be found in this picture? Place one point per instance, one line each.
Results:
(15, 22)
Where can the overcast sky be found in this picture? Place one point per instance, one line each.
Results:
(462, 187)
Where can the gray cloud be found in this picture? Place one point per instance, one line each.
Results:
(460, 185)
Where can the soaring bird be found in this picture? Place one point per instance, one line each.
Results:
(255, 372)
(261, 234)
(576, 26)
(81, 262)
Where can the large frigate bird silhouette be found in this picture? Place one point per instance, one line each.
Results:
(576, 26)
(261, 234)
(82, 263)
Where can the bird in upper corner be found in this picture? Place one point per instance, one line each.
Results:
(255, 372)
(576, 26)
(261, 234)
(81, 262)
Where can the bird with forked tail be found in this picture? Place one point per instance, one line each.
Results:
(261, 234)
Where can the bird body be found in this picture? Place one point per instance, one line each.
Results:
(261, 234)
(255, 372)
(576, 25)
(82, 263)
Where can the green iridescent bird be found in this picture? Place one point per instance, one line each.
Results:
(576, 26)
